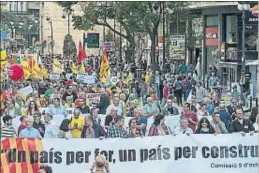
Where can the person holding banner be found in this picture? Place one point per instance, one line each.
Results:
(183, 128)
(190, 116)
(117, 130)
(241, 125)
(204, 127)
(76, 124)
(158, 128)
(29, 131)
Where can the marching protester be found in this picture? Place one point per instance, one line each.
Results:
(117, 130)
(159, 128)
(204, 127)
(132, 105)
(7, 130)
(29, 131)
(241, 125)
(183, 128)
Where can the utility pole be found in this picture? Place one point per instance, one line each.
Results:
(164, 59)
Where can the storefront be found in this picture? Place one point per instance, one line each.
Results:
(222, 45)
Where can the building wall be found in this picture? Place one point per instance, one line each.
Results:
(60, 29)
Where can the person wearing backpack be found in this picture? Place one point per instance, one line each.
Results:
(178, 91)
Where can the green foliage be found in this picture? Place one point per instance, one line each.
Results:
(69, 47)
(109, 36)
(67, 5)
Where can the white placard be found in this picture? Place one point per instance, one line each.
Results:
(26, 91)
(54, 76)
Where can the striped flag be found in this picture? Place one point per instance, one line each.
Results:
(20, 155)
(104, 70)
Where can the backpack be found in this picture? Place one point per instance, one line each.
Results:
(64, 125)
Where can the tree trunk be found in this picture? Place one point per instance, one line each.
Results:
(153, 54)
(129, 53)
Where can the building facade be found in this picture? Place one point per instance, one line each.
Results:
(222, 43)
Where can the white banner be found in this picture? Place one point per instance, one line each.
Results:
(85, 78)
(189, 154)
(54, 76)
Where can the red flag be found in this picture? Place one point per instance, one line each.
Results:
(27, 164)
(81, 54)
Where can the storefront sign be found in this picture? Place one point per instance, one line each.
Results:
(92, 40)
(177, 46)
(252, 15)
(211, 34)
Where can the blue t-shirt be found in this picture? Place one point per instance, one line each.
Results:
(30, 133)
(142, 121)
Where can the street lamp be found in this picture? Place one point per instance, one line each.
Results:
(51, 32)
(243, 8)
(68, 20)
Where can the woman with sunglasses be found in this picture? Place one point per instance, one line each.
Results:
(204, 127)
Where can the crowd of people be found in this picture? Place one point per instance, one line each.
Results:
(143, 101)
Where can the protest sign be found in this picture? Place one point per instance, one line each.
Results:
(54, 76)
(230, 153)
(26, 91)
(85, 78)
(93, 99)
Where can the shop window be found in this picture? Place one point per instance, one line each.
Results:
(211, 21)
(210, 58)
(231, 29)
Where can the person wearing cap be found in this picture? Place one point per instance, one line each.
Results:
(217, 124)
(117, 130)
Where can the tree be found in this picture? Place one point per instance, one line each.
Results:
(133, 17)
(69, 47)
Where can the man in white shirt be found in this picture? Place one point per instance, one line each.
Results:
(183, 128)
(51, 127)
(117, 105)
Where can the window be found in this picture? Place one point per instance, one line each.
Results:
(210, 59)
(177, 24)
(231, 29)
(21, 6)
(211, 21)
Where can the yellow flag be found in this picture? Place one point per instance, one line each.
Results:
(26, 69)
(45, 73)
(74, 68)
(57, 66)
(104, 70)
(82, 68)
(37, 72)
(148, 77)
